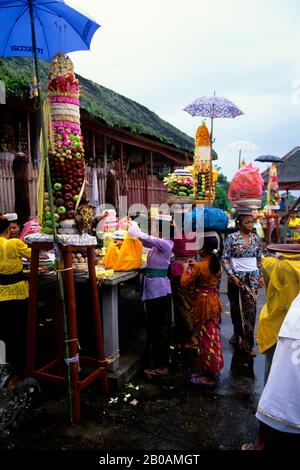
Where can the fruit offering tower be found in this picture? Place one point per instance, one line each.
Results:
(204, 185)
(179, 186)
(66, 153)
(273, 197)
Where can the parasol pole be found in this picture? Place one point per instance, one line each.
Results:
(210, 159)
(211, 149)
(50, 194)
(240, 157)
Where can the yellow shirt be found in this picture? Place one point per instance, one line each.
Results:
(282, 277)
(11, 253)
(292, 224)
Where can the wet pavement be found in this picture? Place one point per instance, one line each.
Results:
(164, 413)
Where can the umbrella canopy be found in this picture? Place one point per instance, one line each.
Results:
(58, 28)
(244, 145)
(213, 107)
(268, 158)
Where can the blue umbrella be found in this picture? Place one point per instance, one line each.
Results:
(58, 28)
(42, 28)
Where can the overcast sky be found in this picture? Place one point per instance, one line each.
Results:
(166, 53)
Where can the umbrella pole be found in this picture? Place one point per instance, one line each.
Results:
(240, 156)
(50, 194)
(210, 161)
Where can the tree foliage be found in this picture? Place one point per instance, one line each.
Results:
(222, 186)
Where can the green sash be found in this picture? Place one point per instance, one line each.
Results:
(156, 272)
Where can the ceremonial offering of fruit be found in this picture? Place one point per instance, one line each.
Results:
(180, 186)
(204, 177)
(245, 190)
(205, 183)
(66, 153)
(273, 197)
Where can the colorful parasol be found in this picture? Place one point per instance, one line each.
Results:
(213, 107)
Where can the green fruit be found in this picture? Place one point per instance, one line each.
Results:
(76, 196)
(56, 217)
(181, 193)
(57, 186)
(182, 188)
(61, 210)
(47, 215)
(78, 156)
(47, 230)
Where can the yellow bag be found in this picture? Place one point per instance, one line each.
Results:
(124, 258)
(111, 255)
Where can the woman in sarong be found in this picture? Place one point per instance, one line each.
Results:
(204, 278)
(241, 261)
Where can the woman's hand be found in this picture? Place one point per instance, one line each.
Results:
(124, 223)
(185, 267)
(191, 263)
(235, 281)
(102, 216)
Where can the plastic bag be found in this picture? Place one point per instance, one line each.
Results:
(247, 183)
(126, 257)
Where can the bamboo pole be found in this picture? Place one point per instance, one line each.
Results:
(50, 194)
(210, 163)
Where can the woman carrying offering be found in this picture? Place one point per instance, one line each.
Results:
(204, 278)
(183, 299)
(242, 263)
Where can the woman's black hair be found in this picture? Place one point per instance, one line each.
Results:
(241, 217)
(165, 227)
(210, 246)
(4, 224)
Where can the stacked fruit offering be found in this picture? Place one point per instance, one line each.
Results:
(180, 184)
(273, 196)
(202, 169)
(205, 185)
(66, 153)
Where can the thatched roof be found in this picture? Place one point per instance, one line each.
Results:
(99, 102)
(288, 170)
